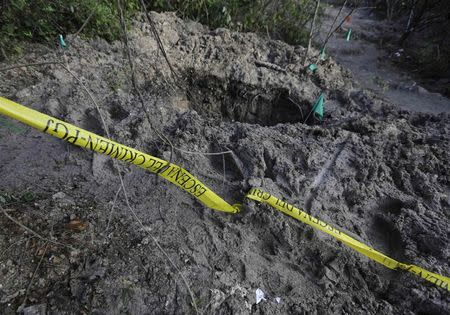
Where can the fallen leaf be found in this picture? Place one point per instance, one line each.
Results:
(77, 225)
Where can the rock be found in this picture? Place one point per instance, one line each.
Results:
(24, 93)
(62, 199)
(52, 107)
(255, 182)
(331, 275)
(38, 309)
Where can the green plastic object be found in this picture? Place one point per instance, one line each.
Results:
(349, 35)
(62, 42)
(312, 67)
(322, 54)
(318, 106)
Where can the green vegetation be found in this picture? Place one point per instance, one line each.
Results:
(11, 126)
(424, 36)
(23, 197)
(283, 19)
(23, 21)
(41, 21)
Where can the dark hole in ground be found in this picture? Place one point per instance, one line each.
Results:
(92, 123)
(118, 113)
(230, 100)
(391, 205)
(386, 237)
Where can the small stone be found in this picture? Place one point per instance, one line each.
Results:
(59, 195)
(145, 241)
(39, 309)
(62, 199)
(53, 107)
(255, 182)
(331, 275)
(24, 93)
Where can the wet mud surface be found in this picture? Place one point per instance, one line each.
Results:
(378, 172)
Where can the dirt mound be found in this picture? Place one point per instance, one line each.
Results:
(378, 173)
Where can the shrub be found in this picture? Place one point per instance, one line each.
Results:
(282, 19)
(42, 21)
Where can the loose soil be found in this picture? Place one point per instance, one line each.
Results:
(378, 172)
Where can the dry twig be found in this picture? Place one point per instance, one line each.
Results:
(332, 31)
(311, 30)
(33, 232)
(158, 39)
(85, 23)
(136, 88)
(32, 278)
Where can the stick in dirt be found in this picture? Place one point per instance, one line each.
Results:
(311, 32)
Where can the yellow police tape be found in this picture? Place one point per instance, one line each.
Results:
(264, 197)
(88, 140)
(192, 185)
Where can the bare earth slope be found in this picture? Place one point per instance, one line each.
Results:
(380, 173)
(373, 66)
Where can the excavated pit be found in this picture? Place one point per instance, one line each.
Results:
(231, 100)
(379, 173)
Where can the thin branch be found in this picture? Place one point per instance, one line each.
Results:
(135, 86)
(32, 278)
(66, 68)
(332, 25)
(331, 32)
(298, 106)
(122, 184)
(224, 171)
(194, 303)
(91, 97)
(33, 232)
(204, 153)
(158, 39)
(344, 19)
(85, 23)
(30, 65)
(311, 30)
(10, 246)
(112, 209)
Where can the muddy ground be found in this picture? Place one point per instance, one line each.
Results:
(377, 67)
(378, 172)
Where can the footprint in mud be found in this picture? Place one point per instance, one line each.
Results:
(384, 235)
(386, 238)
(91, 122)
(117, 112)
